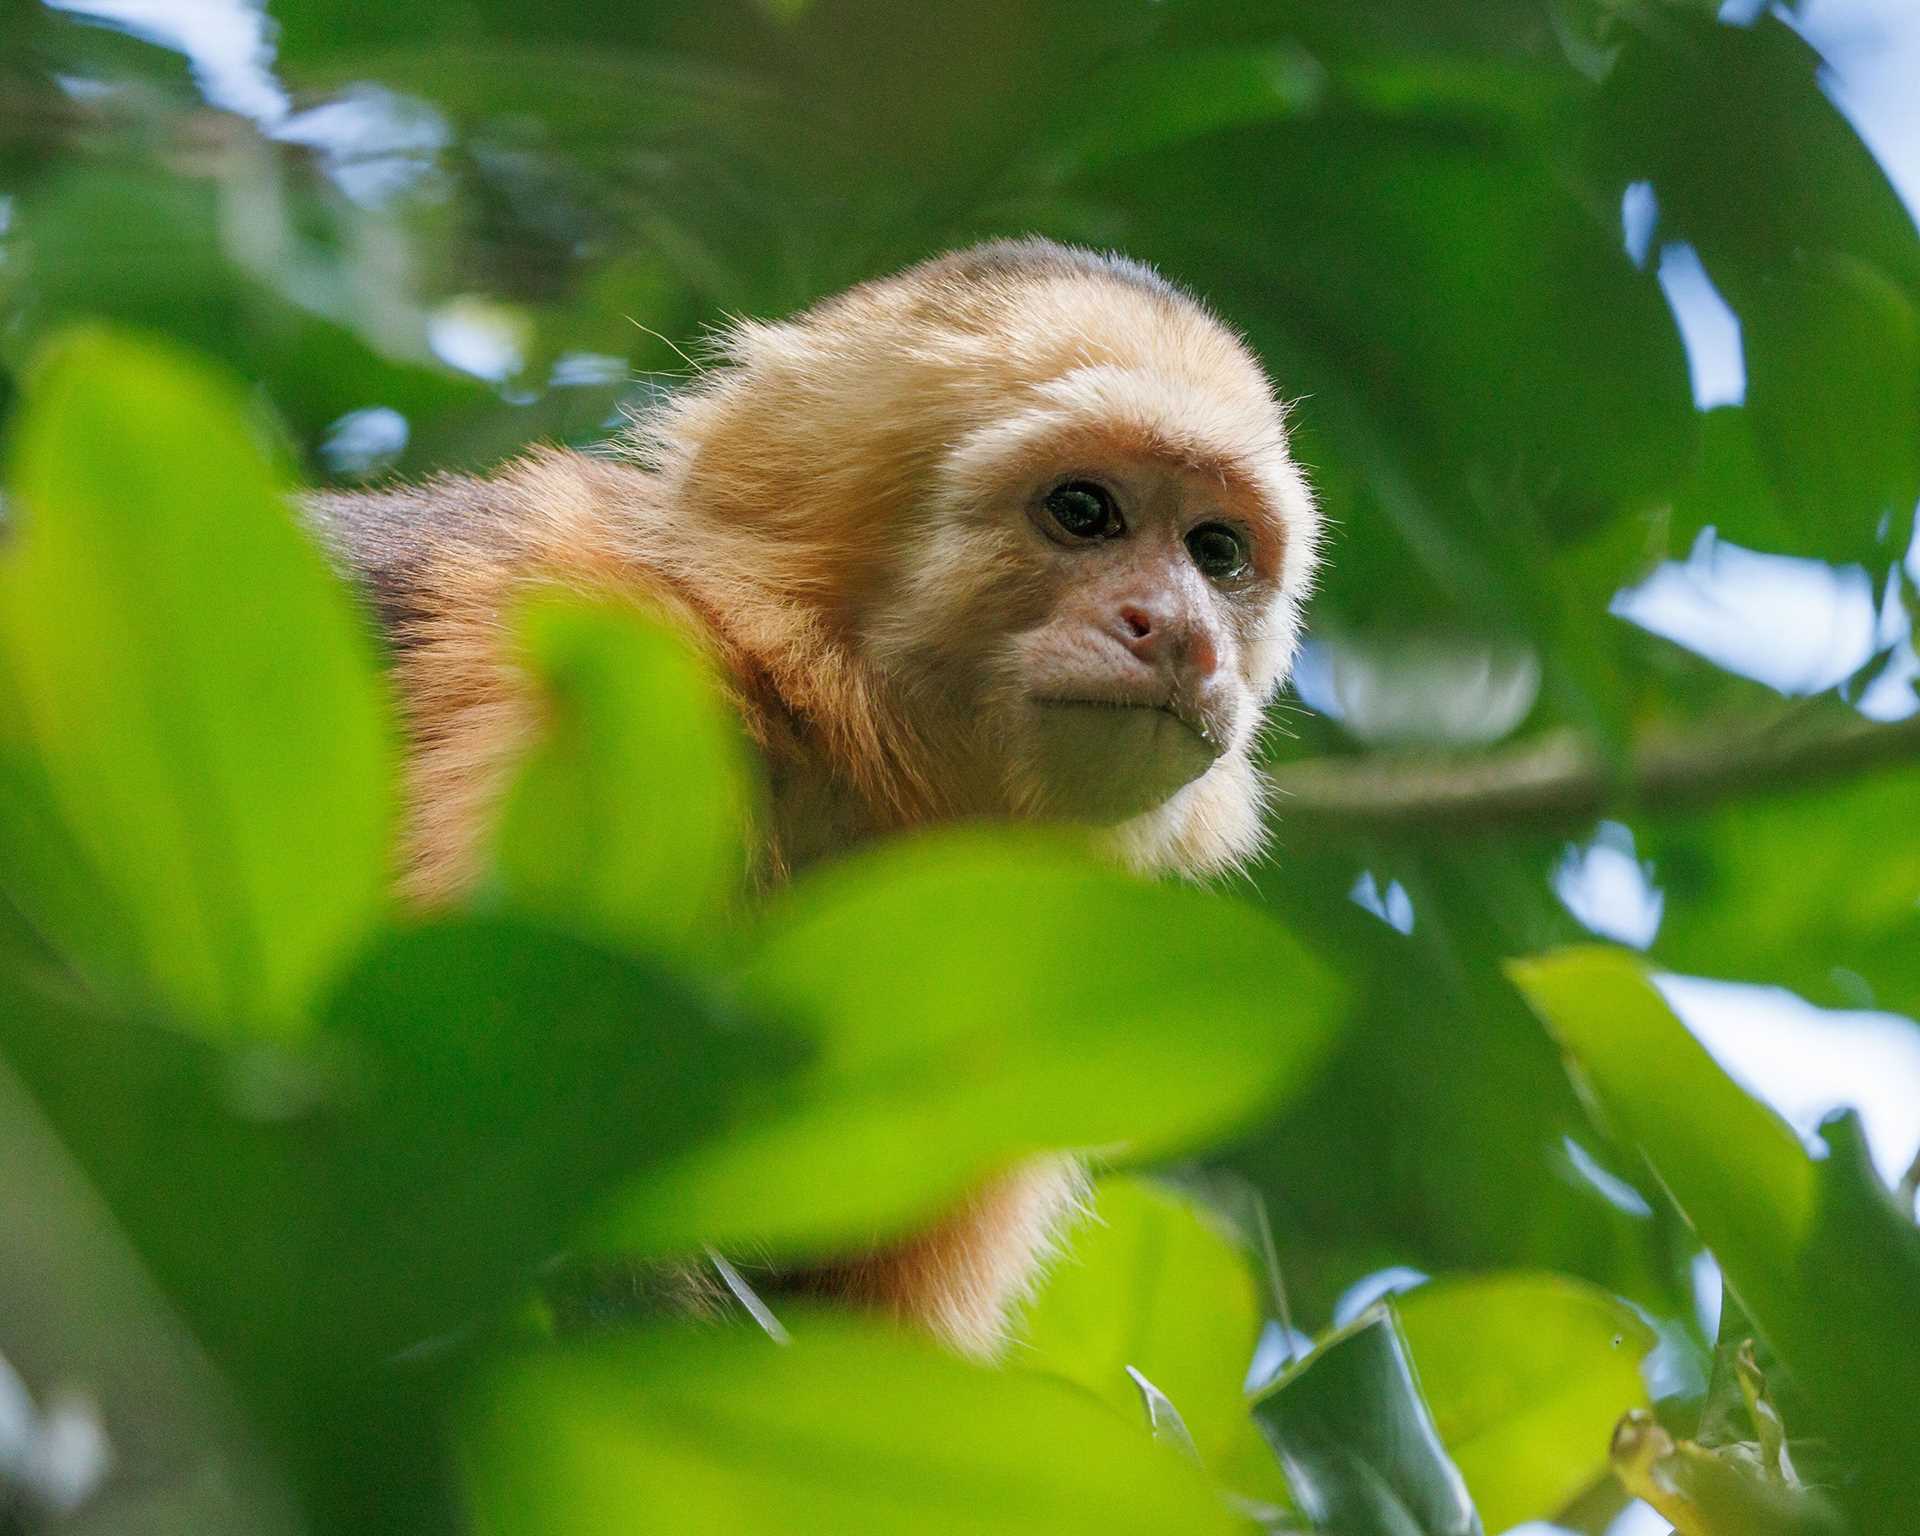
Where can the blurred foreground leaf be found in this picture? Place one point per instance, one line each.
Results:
(1153, 1283)
(190, 692)
(977, 999)
(1358, 1444)
(1526, 1375)
(846, 1430)
(1823, 1262)
(318, 1211)
(630, 818)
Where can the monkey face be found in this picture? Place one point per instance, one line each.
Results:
(1090, 633)
(1044, 501)
(1134, 682)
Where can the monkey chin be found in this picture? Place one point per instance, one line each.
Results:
(1104, 763)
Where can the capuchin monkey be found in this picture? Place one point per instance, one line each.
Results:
(1010, 535)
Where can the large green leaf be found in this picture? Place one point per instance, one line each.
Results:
(1358, 1444)
(1729, 491)
(1750, 156)
(1526, 1374)
(630, 818)
(1824, 1265)
(316, 1210)
(195, 690)
(1833, 354)
(1733, 1166)
(1817, 889)
(1852, 1343)
(1154, 1283)
(1434, 1136)
(1144, 101)
(977, 999)
(846, 1430)
(508, 1077)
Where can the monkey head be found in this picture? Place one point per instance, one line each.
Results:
(1039, 508)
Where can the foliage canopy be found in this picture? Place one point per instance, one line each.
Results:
(402, 1183)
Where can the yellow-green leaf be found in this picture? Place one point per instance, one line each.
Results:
(1526, 1375)
(978, 998)
(629, 820)
(1151, 1281)
(192, 689)
(847, 1430)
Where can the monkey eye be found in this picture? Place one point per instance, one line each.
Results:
(1220, 552)
(1085, 510)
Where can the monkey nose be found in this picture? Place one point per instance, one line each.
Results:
(1164, 641)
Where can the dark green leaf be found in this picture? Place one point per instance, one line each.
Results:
(1833, 362)
(1358, 1443)
(1146, 101)
(1816, 889)
(477, 1087)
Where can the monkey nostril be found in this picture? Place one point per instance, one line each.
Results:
(1139, 626)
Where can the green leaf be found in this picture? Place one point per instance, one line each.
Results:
(196, 691)
(846, 1430)
(1817, 889)
(1730, 492)
(629, 819)
(477, 1087)
(1148, 101)
(1526, 1375)
(508, 1077)
(1444, 238)
(1732, 1165)
(49, 878)
(1358, 1443)
(1852, 1344)
(1833, 361)
(1155, 1283)
(1815, 1252)
(977, 999)
(1756, 164)
(1752, 158)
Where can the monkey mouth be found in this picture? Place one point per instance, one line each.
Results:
(1193, 720)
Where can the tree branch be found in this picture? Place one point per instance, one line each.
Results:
(1560, 782)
